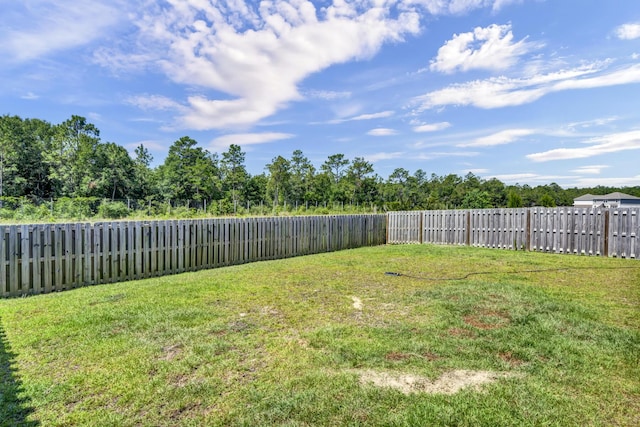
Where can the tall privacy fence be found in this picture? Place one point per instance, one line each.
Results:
(601, 232)
(41, 258)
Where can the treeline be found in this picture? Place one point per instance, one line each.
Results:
(57, 169)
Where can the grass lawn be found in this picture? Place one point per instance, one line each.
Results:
(332, 340)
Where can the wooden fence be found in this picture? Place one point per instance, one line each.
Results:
(41, 258)
(601, 232)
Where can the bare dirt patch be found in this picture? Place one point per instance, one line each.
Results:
(511, 358)
(170, 352)
(448, 383)
(396, 356)
(487, 319)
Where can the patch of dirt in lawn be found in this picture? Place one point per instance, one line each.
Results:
(448, 383)
(487, 319)
(170, 352)
(357, 303)
(395, 356)
(510, 358)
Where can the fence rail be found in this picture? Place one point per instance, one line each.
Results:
(42, 258)
(600, 232)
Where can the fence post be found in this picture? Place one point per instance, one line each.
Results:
(527, 234)
(468, 233)
(606, 233)
(420, 232)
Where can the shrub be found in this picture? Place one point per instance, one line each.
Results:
(112, 210)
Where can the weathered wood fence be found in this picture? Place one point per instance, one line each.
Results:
(41, 258)
(601, 232)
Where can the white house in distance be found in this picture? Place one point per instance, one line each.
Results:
(612, 200)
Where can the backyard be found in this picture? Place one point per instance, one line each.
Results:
(453, 336)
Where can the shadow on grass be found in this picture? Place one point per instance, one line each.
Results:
(14, 409)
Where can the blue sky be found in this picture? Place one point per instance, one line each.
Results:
(527, 91)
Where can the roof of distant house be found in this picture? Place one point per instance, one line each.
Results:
(611, 196)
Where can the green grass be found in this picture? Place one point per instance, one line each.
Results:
(280, 343)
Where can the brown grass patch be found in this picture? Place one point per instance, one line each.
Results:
(448, 383)
(510, 358)
(487, 319)
(396, 356)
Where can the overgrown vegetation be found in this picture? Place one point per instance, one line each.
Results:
(43, 164)
(288, 342)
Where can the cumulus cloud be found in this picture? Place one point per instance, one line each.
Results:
(594, 147)
(497, 92)
(244, 139)
(382, 132)
(431, 127)
(257, 54)
(490, 48)
(499, 138)
(628, 31)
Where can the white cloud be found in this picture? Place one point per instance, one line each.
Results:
(259, 53)
(327, 95)
(586, 124)
(370, 116)
(597, 146)
(499, 138)
(382, 132)
(628, 31)
(590, 170)
(531, 178)
(612, 182)
(383, 156)
(30, 96)
(475, 171)
(502, 91)
(490, 48)
(499, 4)
(456, 7)
(431, 155)
(432, 127)
(155, 102)
(244, 139)
(37, 28)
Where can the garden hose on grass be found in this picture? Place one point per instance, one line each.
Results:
(478, 273)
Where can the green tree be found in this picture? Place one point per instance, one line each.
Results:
(10, 128)
(514, 200)
(335, 168)
(143, 181)
(360, 180)
(279, 180)
(72, 158)
(396, 190)
(234, 174)
(188, 173)
(547, 201)
(117, 171)
(302, 177)
(476, 199)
